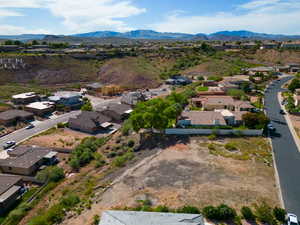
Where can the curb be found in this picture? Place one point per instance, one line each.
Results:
(289, 123)
(277, 179)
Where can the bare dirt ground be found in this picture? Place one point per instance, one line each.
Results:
(59, 138)
(187, 173)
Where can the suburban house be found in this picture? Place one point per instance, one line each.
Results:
(117, 111)
(40, 108)
(11, 188)
(70, 99)
(132, 98)
(282, 69)
(149, 218)
(13, 116)
(90, 122)
(24, 98)
(294, 67)
(293, 44)
(94, 86)
(210, 83)
(201, 118)
(178, 80)
(232, 118)
(233, 82)
(26, 160)
(262, 69)
(212, 91)
(211, 103)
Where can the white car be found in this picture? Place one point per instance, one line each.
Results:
(292, 219)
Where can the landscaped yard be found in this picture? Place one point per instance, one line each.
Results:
(202, 89)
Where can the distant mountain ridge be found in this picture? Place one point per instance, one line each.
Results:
(154, 35)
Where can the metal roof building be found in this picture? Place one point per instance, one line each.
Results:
(149, 218)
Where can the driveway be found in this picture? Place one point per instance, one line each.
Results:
(286, 153)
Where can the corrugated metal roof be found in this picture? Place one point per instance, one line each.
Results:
(149, 218)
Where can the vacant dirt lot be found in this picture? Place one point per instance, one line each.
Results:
(57, 138)
(189, 173)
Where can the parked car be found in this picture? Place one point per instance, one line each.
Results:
(30, 126)
(282, 112)
(9, 144)
(292, 219)
(271, 128)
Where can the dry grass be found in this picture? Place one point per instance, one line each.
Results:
(188, 174)
(57, 138)
(242, 149)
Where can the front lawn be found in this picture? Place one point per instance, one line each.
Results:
(202, 89)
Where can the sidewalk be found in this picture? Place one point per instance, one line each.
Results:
(289, 123)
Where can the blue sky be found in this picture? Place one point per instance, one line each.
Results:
(188, 16)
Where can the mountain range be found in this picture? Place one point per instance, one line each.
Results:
(153, 35)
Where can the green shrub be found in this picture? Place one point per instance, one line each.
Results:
(247, 213)
(51, 173)
(279, 214)
(230, 147)
(130, 143)
(96, 220)
(161, 208)
(188, 209)
(70, 201)
(226, 212)
(264, 213)
(210, 212)
(212, 137)
(120, 161)
(61, 125)
(211, 146)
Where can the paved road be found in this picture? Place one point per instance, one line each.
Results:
(41, 126)
(22, 134)
(286, 152)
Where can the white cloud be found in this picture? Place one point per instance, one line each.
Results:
(87, 15)
(20, 3)
(13, 30)
(80, 15)
(258, 3)
(7, 13)
(268, 16)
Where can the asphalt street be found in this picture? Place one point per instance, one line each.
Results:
(41, 126)
(286, 153)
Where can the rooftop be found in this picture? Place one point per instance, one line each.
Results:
(218, 100)
(26, 160)
(12, 114)
(7, 181)
(118, 108)
(67, 94)
(149, 218)
(40, 105)
(90, 120)
(204, 117)
(24, 95)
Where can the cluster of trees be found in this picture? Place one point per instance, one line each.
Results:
(255, 120)
(87, 106)
(159, 113)
(295, 84)
(85, 152)
(237, 94)
(290, 106)
(51, 174)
